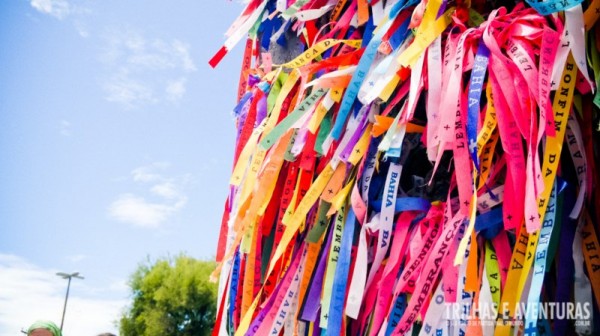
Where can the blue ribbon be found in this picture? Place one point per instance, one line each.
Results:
(490, 223)
(400, 35)
(396, 313)
(237, 110)
(368, 34)
(400, 5)
(281, 40)
(405, 204)
(364, 64)
(340, 279)
(267, 27)
(553, 6)
(475, 88)
(235, 276)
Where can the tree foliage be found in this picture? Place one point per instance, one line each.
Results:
(172, 297)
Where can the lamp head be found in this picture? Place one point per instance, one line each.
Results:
(67, 276)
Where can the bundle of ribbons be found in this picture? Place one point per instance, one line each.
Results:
(413, 168)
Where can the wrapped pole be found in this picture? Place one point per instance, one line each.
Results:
(406, 167)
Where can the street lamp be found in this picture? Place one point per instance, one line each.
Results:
(67, 276)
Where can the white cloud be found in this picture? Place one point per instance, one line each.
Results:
(63, 9)
(167, 190)
(164, 197)
(136, 210)
(65, 128)
(128, 92)
(29, 292)
(145, 70)
(149, 173)
(183, 51)
(57, 8)
(81, 28)
(176, 89)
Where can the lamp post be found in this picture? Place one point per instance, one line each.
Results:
(67, 276)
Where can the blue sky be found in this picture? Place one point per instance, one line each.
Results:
(116, 140)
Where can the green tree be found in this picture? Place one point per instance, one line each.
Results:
(172, 297)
